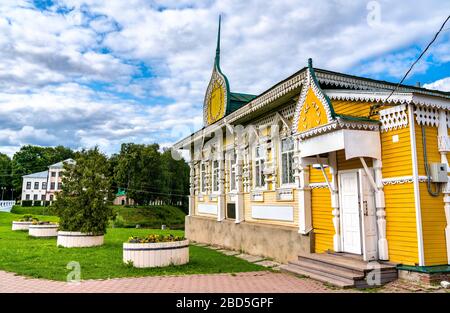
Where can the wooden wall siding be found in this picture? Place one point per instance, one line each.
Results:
(354, 163)
(401, 223)
(322, 219)
(354, 108)
(270, 198)
(433, 227)
(316, 175)
(432, 147)
(396, 156)
(433, 215)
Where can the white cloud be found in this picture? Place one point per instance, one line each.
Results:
(441, 84)
(76, 77)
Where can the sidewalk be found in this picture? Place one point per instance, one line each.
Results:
(263, 282)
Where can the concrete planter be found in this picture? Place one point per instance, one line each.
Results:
(75, 239)
(156, 254)
(49, 230)
(16, 225)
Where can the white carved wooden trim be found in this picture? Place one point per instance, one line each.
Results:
(444, 143)
(285, 194)
(393, 118)
(318, 185)
(257, 196)
(402, 180)
(427, 116)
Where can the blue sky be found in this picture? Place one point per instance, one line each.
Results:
(90, 72)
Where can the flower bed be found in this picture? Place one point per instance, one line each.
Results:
(43, 229)
(24, 222)
(75, 239)
(156, 251)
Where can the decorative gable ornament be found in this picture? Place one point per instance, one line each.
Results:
(313, 108)
(217, 97)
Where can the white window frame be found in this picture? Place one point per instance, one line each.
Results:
(259, 160)
(232, 173)
(215, 177)
(202, 177)
(280, 155)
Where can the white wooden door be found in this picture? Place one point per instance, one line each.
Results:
(369, 219)
(350, 212)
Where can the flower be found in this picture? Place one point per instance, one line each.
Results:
(154, 238)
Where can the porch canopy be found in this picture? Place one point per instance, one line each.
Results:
(355, 142)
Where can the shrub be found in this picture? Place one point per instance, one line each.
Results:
(27, 202)
(118, 221)
(82, 205)
(32, 210)
(28, 218)
(37, 203)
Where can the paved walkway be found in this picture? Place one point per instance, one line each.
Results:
(264, 282)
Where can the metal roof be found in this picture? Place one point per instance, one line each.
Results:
(43, 174)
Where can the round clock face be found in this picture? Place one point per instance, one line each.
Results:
(216, 105)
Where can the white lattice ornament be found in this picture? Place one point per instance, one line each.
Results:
(427, 116)
(393, 118)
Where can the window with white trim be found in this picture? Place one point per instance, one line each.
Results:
(287, 160)
(203, 177)
(215, 176)
(259, 167)
(233, 173)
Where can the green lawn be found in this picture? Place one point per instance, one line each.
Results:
(41, 258)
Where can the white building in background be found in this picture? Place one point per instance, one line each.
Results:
(43, 186)
(54, 178)
(34, 186)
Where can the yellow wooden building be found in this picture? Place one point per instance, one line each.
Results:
(323, 162)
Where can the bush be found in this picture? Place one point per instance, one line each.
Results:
(33, 210)
(117, 222)
(27, 202)
(37, 203)
(152, 216)
(82, 205)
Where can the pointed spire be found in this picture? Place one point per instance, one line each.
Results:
(217, 59)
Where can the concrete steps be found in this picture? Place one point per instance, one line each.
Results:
(341, 270)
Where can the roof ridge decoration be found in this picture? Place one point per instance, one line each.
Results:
(321, 113)
(217, 98)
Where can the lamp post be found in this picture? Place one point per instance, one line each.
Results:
(3, 190)
(12, 193)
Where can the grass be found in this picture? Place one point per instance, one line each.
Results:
(40, 258)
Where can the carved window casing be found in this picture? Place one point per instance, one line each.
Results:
(287, 161)
(259, 167)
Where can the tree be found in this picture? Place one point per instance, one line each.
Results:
(175, 179)
(31, 159)
(5, 176)
(83, 203)
(138, 170)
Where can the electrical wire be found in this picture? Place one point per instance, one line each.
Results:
(427, 167)
(411, 67)
(420, 56)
